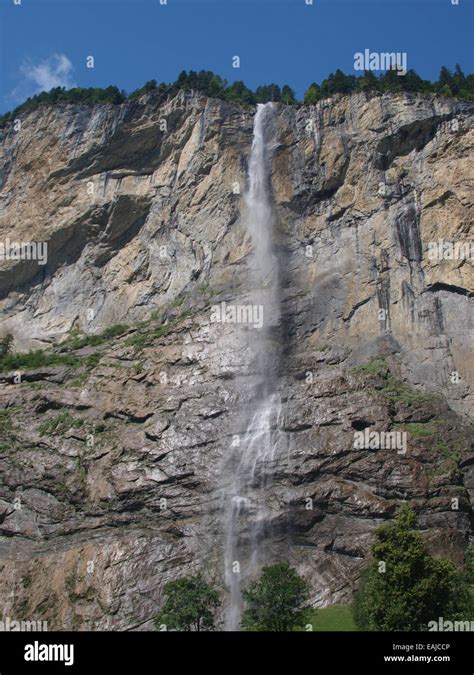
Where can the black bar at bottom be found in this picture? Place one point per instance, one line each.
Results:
(90, 653)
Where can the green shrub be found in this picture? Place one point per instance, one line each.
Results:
(393, 389)
(418, 428)
(146, 335)
(96, 339)
(36, 359)
(59, 425)
(143, 339)
(376, 366)
(404, 393)
(453, 449)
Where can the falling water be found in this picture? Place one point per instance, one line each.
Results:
(247, 515)
(263, 281)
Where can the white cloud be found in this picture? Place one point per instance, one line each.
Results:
(54, 71)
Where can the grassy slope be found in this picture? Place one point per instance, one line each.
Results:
(333, 618)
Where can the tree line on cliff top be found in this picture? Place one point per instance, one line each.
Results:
(452, 84)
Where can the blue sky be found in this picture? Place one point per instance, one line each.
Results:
(46, 42)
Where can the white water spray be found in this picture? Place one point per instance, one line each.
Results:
(247, 516)
(259, 222)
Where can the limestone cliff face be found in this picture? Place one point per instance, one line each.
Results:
(111, 467)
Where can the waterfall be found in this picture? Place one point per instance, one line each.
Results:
(247, 515)
(263, 279)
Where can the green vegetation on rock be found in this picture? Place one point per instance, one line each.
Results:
(146, 333)
(418, 428)
(144, 338)
(36, 359)
(452, 449)
(404, 393)
(96, 339)
(6, 343)
(392, 388)
(5, 421)
(59, 424)
(376, 366)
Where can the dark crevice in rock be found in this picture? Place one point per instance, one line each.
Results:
(409, 137)
(128, 417)
(407, 233)
(356, 307)
(360, 425)
(449, 288)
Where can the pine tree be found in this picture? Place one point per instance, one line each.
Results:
(267, 93)
(6, 344)
(368, 82)
(288, 95)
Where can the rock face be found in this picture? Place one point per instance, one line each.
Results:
(111, 460)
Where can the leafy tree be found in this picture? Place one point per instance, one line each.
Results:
(467, 609)
(189, 606)
(277, 601)
(216, 87)
(404, 587)
(446, 91)
(313, 94)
